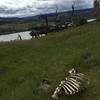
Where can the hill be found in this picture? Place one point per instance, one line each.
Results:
(24, 64)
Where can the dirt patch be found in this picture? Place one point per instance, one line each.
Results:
(43, 86)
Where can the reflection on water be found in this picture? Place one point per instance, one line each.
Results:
(14, 36)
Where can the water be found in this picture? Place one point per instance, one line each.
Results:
(14, 36)
(91, 20)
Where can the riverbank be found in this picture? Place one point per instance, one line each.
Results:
(24, 35)
(9, 28)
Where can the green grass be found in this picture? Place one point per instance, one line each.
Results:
(24, 64)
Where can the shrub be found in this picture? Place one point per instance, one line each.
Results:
(82, 19)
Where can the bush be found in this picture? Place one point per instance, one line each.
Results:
(82, 19)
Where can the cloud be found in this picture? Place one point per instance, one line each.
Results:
(13, 8)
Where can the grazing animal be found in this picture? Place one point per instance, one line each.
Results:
(39, 32)
(34, 34)
(72, 84)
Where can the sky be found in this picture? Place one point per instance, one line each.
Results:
(23, 8)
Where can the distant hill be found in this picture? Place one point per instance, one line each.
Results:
(87, 12)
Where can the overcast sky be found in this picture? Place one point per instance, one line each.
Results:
(13, 8)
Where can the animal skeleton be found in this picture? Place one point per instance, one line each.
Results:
(72, 84)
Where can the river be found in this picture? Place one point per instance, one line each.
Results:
(13, 37)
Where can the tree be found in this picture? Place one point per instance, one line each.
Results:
(73, 10)
(56, 15)
(45, 18)
(97, 9)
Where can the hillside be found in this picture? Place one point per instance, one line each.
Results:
(24, 64)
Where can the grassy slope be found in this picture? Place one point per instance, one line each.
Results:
(24, 64)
